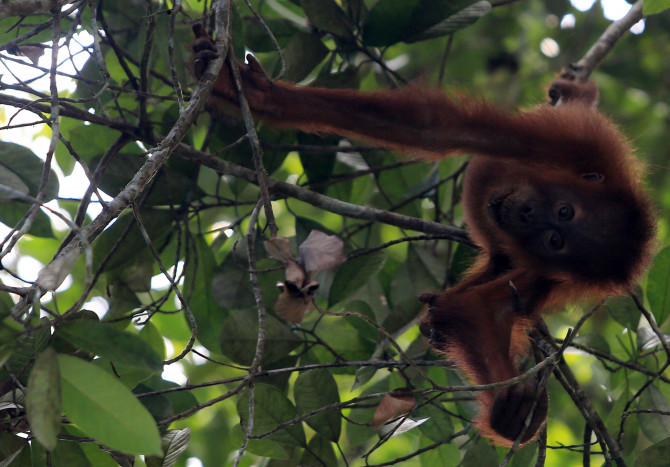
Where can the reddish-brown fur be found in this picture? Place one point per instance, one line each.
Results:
(552, 197)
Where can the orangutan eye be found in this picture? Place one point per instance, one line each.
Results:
(565, 212)
(555, 241)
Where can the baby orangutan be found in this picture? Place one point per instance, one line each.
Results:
(552, 197)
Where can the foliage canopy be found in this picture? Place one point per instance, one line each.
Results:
(166, 274)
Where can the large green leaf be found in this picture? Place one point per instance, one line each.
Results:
(9, 331)
(231, 288)
(655, 426)
(624, 311)
(658, 286)
(21, 170)
(303, 53)
(271, 408)
(174, 443)
(353, 275)
(455, 15)
(43, 400)
(10, 447)
(313, 390)
(198, 286)
(327, 16)
(386, 22)
(158, 225)
(651, 7)
(105, 409)
(27, 346)
(319, 452)
(439, 424)
(392, 21)
(655, 456)
(172, 184)
(105, 340)
(240, 334)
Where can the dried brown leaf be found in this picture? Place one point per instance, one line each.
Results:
(321, 252)
(391, 407)
(278, 248)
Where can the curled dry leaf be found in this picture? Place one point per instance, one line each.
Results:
(391, 407)
(278, 248)
(293, 304)
(400, 426)
(33, 52)
(318, 252)
(321, 252)
(54, 273)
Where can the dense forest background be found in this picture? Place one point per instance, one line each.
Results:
(150, 225)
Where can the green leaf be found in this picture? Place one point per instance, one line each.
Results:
(158, 225)
(656, 427)
(353, 275)
(154, 338)
(651, 7)
(240, 345)
(265, 447)
(319, 452)
(271, 408)
(392, 21)
(655, 456)
(364, 328)
(317, 167)
(174, 443)
(303, 53)
(9, 331)
(11, 214)
(458, 16)
(439, 424)
(479, 453)
(363, 375)
(231, 288)
(327, 16)
(172, 184)
(525, 456)
(67, 453)
(624, 311)
(658, 286)
(89, 141)
(315, 389)
(631, 434)
(157, 404)
(105, 409)
(198, 286)
(257, 39)
(21, 169)
(445, 455)
(386, 22)
(594, 341)
(105, 340)
(28, 345)
(10, 447)
(43, 401)
(413, 277)
(121, 298)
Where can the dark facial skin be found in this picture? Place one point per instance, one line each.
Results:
(543, 220)
(577, 231)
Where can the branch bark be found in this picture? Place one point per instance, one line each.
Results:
(68, 255)
(606, 42)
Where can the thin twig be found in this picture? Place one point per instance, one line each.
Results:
(140, 180)
(607, 40)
